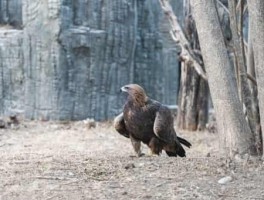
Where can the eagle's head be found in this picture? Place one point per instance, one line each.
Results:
(135, 93)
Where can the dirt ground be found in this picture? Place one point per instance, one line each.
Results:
(44, 160)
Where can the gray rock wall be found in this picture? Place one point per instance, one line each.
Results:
(71, 57)
(11, 71)
(11, 13)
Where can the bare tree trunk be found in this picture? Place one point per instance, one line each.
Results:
(253, 87)
(232, 125)
(202, 105)
(187, 116)
(256, 15)
(193, 98)
(246, 95)
(193, 101)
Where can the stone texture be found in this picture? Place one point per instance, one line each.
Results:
(11, 71)
(11, 13)
(72, 56)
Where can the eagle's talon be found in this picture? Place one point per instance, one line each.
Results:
(153, 155)
(141, 155)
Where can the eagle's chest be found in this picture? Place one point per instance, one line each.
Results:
(139, 122)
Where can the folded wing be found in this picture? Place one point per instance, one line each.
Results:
(163, 125)
(120, 126)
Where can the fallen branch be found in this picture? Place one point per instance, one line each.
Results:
(52, 197)
(96, 179)
(52, 178)
(21, 162)
(179, 37)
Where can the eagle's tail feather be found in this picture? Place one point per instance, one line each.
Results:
(171, 154)
(184, 142)
(179, 151)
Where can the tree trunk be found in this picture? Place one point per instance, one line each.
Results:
(187, 102)
(256, 16)
(193, 98)
(203, 105)
(253, 88)
(232, 126)
(246, 96)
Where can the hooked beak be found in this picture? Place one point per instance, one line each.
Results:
(123, 89)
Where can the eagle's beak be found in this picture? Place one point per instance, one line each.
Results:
(123, 89)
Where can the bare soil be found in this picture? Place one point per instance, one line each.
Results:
(45, 160)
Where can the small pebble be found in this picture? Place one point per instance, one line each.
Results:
(2, 124)
(141, 164)
(71, 174)
(225, 180)
(130, 166)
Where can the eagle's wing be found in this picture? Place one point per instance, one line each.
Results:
(120, 126)
(163, 125)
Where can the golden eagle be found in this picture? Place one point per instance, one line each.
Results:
(148, 121)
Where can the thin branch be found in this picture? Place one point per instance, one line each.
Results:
(179, 37)
(241, 31)
(52, 197)
(52, 178)
(223, 6)
(252, 79)
(238, 5)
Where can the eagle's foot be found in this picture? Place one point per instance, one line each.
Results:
(153, 154)
(140, 154)
(136, 146)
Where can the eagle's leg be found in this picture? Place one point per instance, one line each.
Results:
(136, 146)
(155, 146)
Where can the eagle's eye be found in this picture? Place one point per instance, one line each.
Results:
(126, 87)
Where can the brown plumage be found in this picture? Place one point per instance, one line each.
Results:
(148, 121)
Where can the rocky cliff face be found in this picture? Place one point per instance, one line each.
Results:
(67, 59)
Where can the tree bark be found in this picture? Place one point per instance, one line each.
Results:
(187, 115)
(245, 93)
(193, 101)
(253, 87)
(232, 126)
(202, 105)
(256, 15)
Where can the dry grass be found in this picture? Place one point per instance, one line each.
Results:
(45, 160)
